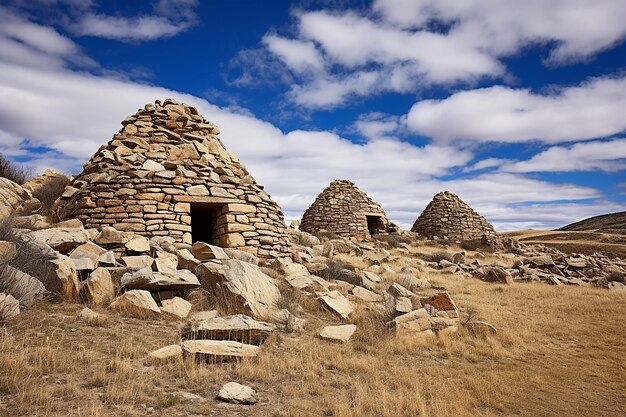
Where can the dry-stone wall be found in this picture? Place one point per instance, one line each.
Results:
(345, 210)
(166, 173)
(447, 216)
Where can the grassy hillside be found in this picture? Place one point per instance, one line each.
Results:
(614, 223)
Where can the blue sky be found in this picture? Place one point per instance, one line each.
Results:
(518, 107)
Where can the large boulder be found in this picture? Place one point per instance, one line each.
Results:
(11, 197)
(136, 303)
(98, 289)
(20, 285)
(61, 277)
(176, 306)
(337, 304)
(253, 291)
(62, 239)
(146, 279)
(239, 328)
(9, 306)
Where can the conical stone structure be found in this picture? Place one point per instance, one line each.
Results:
(447, 216)
(166, 173)
(345, 210)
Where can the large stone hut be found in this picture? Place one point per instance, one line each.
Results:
(166, 173)
(449, 217)
(345, 210)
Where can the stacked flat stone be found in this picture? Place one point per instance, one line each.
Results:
(165, 159)
(343, 209)
(448, 217)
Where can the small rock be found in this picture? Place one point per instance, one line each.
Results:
(168, 353)
(9, 306)
(233, 392)
(341, 333)
(337, 303)
(88, 315)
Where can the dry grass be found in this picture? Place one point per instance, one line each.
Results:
(11, 171)
(558, 352)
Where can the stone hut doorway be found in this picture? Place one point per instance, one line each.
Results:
(375, 224)
(204, 222)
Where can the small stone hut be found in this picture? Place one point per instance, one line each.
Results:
(345, 210)
(166, 173)
(449, 217)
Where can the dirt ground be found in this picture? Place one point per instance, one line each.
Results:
(559, 351)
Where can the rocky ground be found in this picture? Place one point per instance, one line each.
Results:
(389, 327)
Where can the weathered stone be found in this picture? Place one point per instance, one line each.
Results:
(254, 291)
(187, 261)
(136, 303)
(238, 327)
(218, 350)
(98, 289)
(138, 244)
(443, 302)
(403, 305)
(496, 274)
(341, 333)
(20, 286)
(61, 239)
(542, 261)
(366, 295)
(176, 306)
(9, 306)
(170, 353)
(140, 261)
(337, 304)
(88, 315)
(204, 252)
(11, 196)
(145, 279)
(233, 392)
(109, 235)
(8, 252)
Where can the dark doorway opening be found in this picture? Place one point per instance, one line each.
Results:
(204, 226)
(375, 225)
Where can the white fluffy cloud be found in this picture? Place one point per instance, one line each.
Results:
(393, 46)
(607, 156)
(593, 109)
(168, 18)
(72, 113)
(579, 28)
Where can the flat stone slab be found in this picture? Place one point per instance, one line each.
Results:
(219, 350)
(337, 303)
(341, 333)
(166, 354)
(145, 279)
(238, 328)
